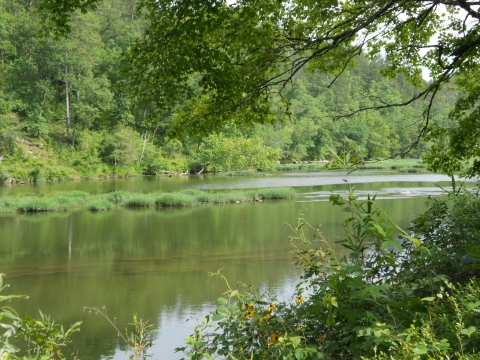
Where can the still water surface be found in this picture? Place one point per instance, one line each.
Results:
(155, 262)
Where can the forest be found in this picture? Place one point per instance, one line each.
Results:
(111, 88)
(70, 109)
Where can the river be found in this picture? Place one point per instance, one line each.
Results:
(155, 262)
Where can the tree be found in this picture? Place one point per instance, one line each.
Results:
(242, 54)
(247, 51)
(238, 153)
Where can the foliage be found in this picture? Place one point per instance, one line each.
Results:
(46, 337)
(223, 153)
(378, 301)
(137, 340)
(117, 127)
(263, 46)
(10, 322)
(451, 230)
(79, 200)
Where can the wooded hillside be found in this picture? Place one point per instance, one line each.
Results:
(68, 109)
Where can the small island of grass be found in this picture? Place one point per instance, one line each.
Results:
(79, 200)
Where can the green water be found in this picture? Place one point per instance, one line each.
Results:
(155, 262)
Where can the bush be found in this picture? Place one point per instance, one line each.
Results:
(377, 302)
(228, 154)
(450, 228)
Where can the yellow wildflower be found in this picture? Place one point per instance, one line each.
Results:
(301, 327)
(265, 317)
(247, 306)
(300, 299)
(274, 339)
(271, 307)
(249, 314)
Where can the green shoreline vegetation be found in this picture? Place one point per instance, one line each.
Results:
(103, 88)
(79, 200)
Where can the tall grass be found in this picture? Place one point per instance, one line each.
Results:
(293, 167)
(403, 165)
(240, 173)
(78, 200)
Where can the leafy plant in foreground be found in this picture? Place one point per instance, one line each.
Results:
(137, 340)
(45, 337)
(379, 301)
(9, 322)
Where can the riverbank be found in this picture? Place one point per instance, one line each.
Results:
(402, 165)
(43, 173)
(80, 200)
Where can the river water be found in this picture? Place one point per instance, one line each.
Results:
(155, 262)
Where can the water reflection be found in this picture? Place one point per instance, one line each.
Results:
(155, 262)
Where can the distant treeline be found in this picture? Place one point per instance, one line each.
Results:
(67, 108)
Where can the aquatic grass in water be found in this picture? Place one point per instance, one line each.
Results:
(273, 193)
(176, 199)
(79, 200)
(239, 173)
(100, 205)
(118, 197)
(292, 167)
(140, 200)
(36, 205)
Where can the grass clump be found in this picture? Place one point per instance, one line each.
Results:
(140, 200)
(37, 205)
(79, 200)
(272, 193)
(239, 173)
(176, 199)
(100, 205)
(228, 197)
(118, 197)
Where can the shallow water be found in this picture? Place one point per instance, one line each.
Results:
(155, 262)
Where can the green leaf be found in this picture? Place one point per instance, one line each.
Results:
(469, 331)
(397, 245)
(430, 298)
(222, 301)
(218, 317)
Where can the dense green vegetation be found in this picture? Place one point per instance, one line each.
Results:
(394, 296)
(79, 200)
(207, 85)
(69, 108)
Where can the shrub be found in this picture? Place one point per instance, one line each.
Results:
(450, 228)
(381, 300)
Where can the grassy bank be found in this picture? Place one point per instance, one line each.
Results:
(79, 200)
(403, 165)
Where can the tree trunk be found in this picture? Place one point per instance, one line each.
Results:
(67, 101)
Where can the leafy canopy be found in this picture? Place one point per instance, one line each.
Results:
(234, 57)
